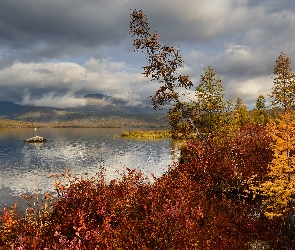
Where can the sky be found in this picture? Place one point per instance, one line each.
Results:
(54, 52)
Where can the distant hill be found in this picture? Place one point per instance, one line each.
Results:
(100, 110)
(10, 109)
(96, 96)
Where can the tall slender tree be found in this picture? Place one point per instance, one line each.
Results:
(210, 103)
(283, 92)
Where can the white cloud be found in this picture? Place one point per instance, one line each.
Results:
(245, 73)
(249, 89)
(53, 100)
(60, 84)
(238, 50)
(134, 99)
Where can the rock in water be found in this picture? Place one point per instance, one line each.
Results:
(35, 139)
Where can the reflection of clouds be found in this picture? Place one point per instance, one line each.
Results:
(27, 168)
(58, 155)
(21, 182)
(5, 195)
(150, 157)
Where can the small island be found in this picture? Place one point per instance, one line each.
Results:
(35, 139)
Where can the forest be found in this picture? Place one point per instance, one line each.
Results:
(232, 188)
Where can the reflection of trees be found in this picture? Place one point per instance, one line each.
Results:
(174, 149)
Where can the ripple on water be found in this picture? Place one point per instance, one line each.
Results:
(26, 168)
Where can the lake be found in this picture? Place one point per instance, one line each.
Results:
(26, 168)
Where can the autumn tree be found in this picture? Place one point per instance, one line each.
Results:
(283, 92)
(279, 188)
(164, 61)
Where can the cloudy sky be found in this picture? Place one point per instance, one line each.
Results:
(53, 52)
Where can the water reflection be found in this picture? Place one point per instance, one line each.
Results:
(27, 167)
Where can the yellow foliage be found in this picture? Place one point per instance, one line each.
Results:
(279, 189)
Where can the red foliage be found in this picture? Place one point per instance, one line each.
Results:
(229, 164)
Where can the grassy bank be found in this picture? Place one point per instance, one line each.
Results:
(5, 123)
(146, 134)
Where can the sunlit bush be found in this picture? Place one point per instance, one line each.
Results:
(146, 134)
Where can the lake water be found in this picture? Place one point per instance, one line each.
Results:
(26, 168)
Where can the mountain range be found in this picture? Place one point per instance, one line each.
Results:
(98, 107)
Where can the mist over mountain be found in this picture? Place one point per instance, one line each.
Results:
(9, 109)
(98, 107)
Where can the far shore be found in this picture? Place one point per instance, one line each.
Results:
(6, 123)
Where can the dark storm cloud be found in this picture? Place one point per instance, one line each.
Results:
(50, 29)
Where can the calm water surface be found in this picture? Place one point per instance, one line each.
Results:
(26, 168)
